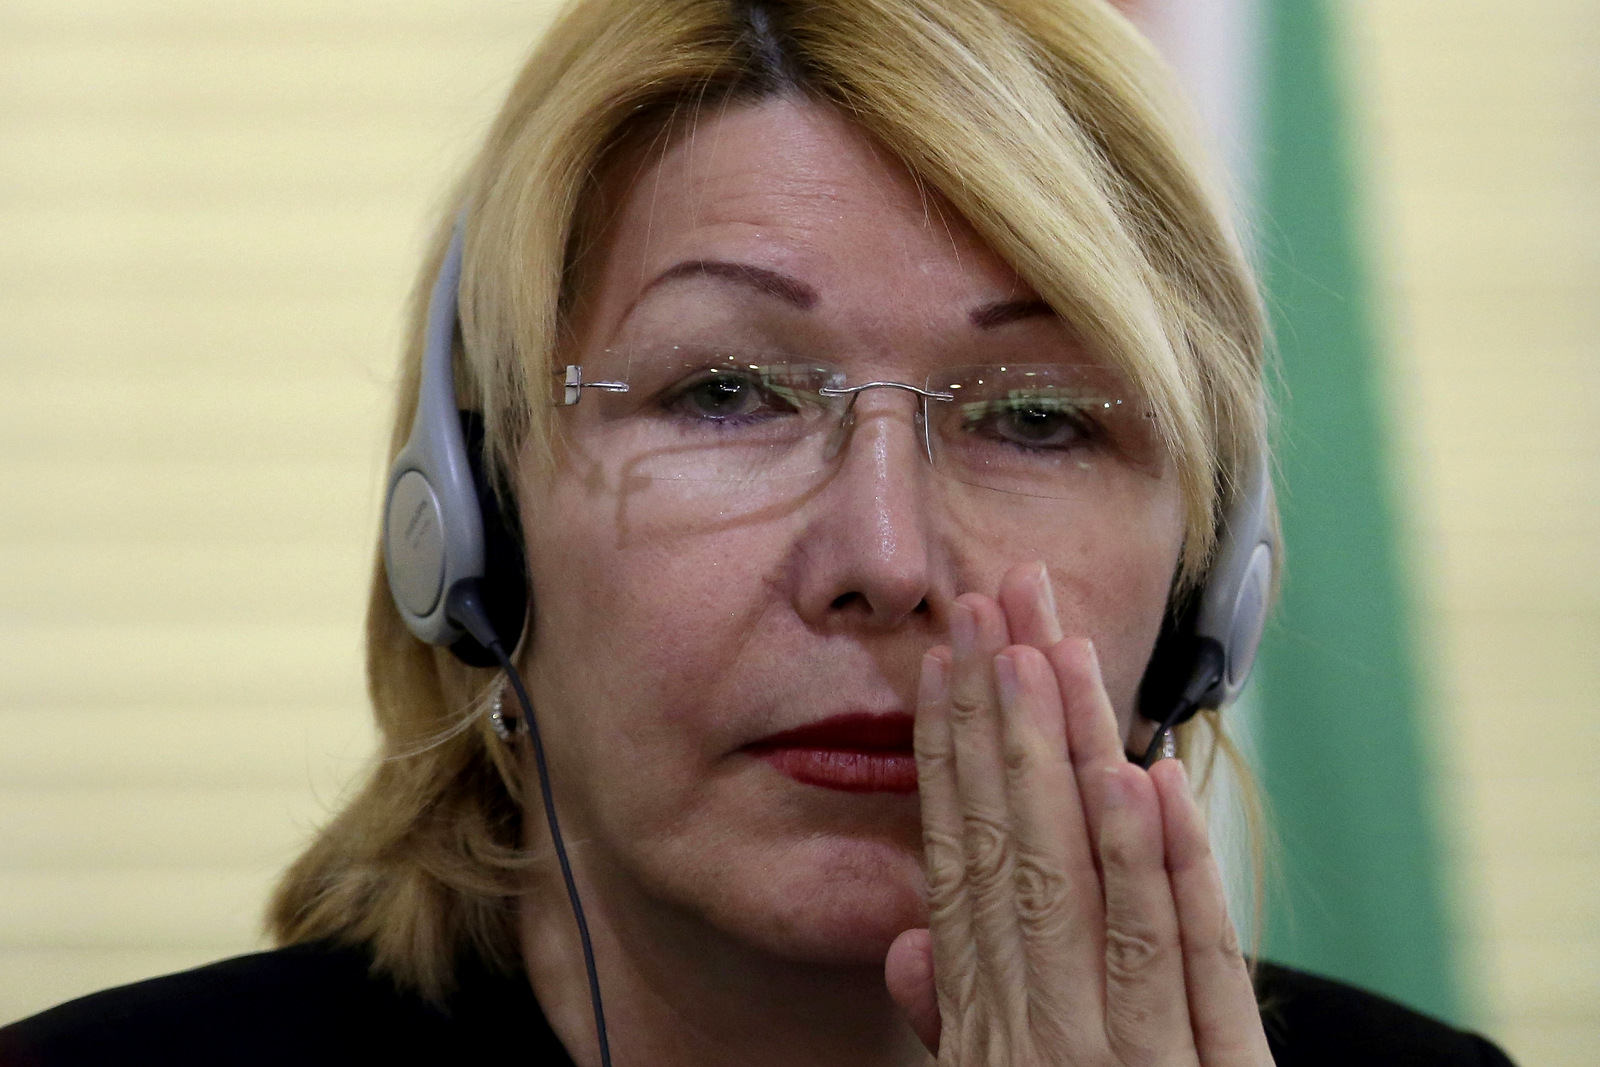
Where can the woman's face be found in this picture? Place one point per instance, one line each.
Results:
(696, 605)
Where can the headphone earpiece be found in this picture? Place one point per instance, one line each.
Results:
(442, 523)
(1233, 608)
(1208, 644)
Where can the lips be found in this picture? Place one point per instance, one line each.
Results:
(854, 753)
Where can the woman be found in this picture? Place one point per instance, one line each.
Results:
(864, 386)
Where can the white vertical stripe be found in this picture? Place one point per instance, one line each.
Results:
(1215, 47)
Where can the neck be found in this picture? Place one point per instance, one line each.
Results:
(679, 992)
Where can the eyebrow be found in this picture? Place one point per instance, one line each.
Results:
(767, 282)
(800, 295)
(991, 315)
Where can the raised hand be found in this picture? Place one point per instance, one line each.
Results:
(1076, 912)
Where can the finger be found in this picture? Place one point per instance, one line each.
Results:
(1093, 738)
(908, 972)
(1030, 606)
(1060, 918)
(1222, 1002)
(978, 632)
(1030, 711)
(1092, 732)
(1030, 611)
(1147, 1013)
(949, 913)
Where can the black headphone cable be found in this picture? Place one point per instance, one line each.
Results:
(464, 605)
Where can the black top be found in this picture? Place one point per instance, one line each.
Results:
(320, 1004)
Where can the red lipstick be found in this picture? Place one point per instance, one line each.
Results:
(854, 753)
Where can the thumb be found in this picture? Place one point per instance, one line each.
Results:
(908, 972)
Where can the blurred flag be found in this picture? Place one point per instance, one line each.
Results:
(1359, 889)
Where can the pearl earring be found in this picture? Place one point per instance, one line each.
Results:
(503, 725)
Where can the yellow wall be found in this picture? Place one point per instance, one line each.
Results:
(1486, 187)
(210, 213)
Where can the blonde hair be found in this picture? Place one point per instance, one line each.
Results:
(1048, 124)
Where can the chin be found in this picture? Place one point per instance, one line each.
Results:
(793, 872)
(838, 902)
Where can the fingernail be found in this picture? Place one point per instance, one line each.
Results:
(1047, 602)
(963, 630)
(1115, 794)
(935, 681)
(1005, 676)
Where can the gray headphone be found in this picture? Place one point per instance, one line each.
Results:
(1208, 642)
(454, 558)
(447, 542)
(445, 535)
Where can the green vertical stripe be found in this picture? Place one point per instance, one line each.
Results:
(1343, 769)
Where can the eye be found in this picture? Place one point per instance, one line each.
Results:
(1040, 423)
(722, 397)
(1038, 427)
(719, 396)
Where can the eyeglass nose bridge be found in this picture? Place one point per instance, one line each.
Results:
(847, 420)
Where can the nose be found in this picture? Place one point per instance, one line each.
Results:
(865, 555)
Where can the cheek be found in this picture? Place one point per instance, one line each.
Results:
(1111, 569)
(1122, 598)
(636, 628)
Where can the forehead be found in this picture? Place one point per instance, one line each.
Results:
(788, 186)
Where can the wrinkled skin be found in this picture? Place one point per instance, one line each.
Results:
(741, 916)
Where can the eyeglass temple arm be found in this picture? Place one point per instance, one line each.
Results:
(575, 385)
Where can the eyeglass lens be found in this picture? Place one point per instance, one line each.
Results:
(748, 421)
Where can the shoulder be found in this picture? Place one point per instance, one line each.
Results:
(307, 1004)
(1312, 1021)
